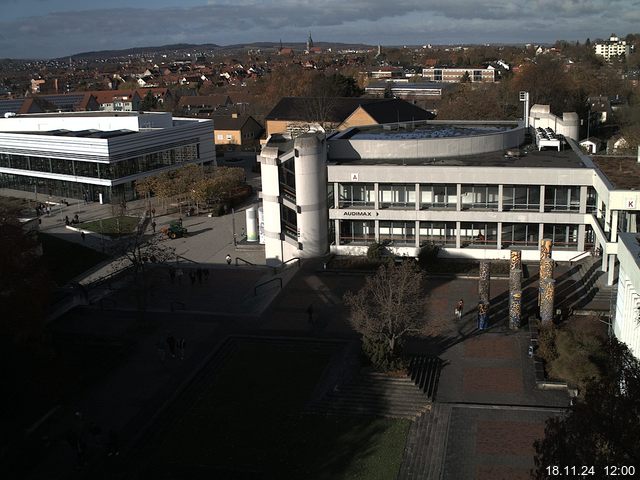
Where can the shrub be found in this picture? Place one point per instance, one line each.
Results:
(428, 255)
(376, 251)
(379, 355)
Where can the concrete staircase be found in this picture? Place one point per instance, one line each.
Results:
(374, 394)
(591, 293)
(426, 445)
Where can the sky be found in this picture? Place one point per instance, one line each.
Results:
(58, 28)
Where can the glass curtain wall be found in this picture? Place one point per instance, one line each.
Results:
(438, 196)
(357, 232)
(521, 197)
(440, 233)
(356, 195)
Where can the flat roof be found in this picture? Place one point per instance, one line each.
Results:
(91, 133)
(429, 130)
(622, 172)
(531, 158)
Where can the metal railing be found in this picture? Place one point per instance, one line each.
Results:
(580, 256)
(247, 262)
(255, 289)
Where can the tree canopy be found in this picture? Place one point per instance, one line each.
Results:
(603, 428)
(388, 307)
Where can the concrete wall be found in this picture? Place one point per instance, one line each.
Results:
(425, 147)
(626, 326)
(568, 125)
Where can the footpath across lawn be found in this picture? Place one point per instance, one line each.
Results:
(247, 423)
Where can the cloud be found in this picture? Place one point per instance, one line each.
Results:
(235, 21)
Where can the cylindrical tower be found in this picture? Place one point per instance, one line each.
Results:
(252, 225)
(311, 194)
(515, 309)
(547, 293)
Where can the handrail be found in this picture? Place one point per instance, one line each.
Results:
(255, 289)
(282, 265)
(245, 261)
(581, 254)
(184, 258)
(275, 269)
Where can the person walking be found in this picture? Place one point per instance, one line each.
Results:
(228, 259)
(153, 226)
(459, 308)
(83, 235)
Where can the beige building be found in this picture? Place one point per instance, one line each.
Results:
(236, 132)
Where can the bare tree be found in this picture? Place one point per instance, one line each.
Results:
(389, 306)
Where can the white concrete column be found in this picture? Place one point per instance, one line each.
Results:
(499, 242)
(458, 242)
(612, 269)
(377, 227)
(583, 199)
(614, 225)
(604, 265)
(336, 229)
(417, 199)
(582, 230)
(541, 203)
(540, 233)
(458, 201)
(500, 195)
(417, 233)
(336, 195)
(376, 200)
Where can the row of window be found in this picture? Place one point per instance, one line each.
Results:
(445, 196)
(109, 171)
(401, 233)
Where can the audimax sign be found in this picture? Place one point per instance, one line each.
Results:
(361, 213)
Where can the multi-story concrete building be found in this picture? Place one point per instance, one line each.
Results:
(455, 75)
(626, 321)
(613, 48)
(98, 154)
(476, 189)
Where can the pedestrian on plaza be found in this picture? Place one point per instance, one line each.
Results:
(459, 308)
(228, 259)
(66, 220)
(83, 235)
(182, 343)
(171, 342)
(153, 226)
(192, 276)
(180, 221)
(153, 213)
(199, 274)
(76, 219)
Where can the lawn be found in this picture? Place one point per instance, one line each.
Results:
(112, 226)
(247, 423)
(66, 260)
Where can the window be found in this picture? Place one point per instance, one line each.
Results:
(229, 136)
(398, 233)
(561, 198)
(520, 234)
(440, 233)
(521, 197)
(397, 196)
(356, 195)
(438, 196)
(483, 197)
(287, 177)
(562, 235)
(357, 232)
(592, 200)
(219, 136)
(478, 234)
(289, 222)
